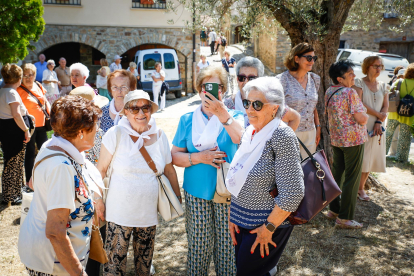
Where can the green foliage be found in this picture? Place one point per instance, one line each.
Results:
(20, 22)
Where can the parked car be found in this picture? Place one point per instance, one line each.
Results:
(146, 59)
(357, 57)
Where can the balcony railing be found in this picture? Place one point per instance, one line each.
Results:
(149, 4)
(63, 2)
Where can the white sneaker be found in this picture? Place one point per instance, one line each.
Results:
(273, 271)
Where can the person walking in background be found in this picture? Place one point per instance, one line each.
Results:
(51, 82)
(218, 42)
(374, 95)
(229, 63)
(41, 66)
(116, 65)
(301, 88)
(202, 64)
(395, 77)
(14, 134)
(203, 37)
(133, 69)
(247, 69)
(32, 93)
(268, 155)
(222, 46)
(405, 123)
(205, 138)
(63, 75)
(212, 37)
(347, 119)
(158, 77)
(101, 79)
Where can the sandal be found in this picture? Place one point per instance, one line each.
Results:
(330, 215)
(347, 224)
(363, 198)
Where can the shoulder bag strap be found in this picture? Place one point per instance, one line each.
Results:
(327, 103)
(117, 142)
(38, 102)
(148, 159)
(45, 158)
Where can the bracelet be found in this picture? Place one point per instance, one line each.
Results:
(189, 159)
(318, 125)
(378, 122)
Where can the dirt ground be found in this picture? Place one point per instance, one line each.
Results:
(383, 247)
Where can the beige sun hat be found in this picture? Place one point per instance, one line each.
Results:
(88, 93)
(138, 95)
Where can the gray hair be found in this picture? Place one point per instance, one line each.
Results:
(50, 61)
(251, 62)
(271, 88)
(84, 71)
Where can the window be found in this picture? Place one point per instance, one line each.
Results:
(150, 60)
(169, 61)
(63, 2)
(149, 4)
(344, 55)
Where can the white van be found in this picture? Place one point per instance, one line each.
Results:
(357, 57)
(146, 59)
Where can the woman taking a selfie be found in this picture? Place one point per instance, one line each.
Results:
(205, 138)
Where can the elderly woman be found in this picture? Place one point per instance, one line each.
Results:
(396, 75)
(54, 238)
(301, 93)
(395, 120)
(14, 134)
(133, 69)
(229, 62)
(131, 205)
(51, 82)
(32, 93)
(120, 82)
(205, 138)
(247, 69)
(78, 74)
(158, 76)
(202, 64)
(347, 119)
(269, 149)
(374, 95)
(101, 79)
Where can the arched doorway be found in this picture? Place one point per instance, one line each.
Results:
(238, 37)
(76, 52)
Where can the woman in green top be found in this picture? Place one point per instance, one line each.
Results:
(394, 120)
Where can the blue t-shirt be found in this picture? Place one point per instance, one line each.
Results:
(231, 61)
(39, 70)
(200, 180)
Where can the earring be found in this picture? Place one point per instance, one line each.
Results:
(273, 115)
(81, 136)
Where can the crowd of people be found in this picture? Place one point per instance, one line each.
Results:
(99, 135)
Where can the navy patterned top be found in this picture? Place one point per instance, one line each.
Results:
(106, 121)
(279, 165)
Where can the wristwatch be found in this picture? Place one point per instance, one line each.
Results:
(228, 122)
(270, 226)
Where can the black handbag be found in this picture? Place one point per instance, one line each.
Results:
(406, 106)
(320, 187)
(48, 126)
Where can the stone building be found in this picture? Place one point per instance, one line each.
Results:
(86, 31)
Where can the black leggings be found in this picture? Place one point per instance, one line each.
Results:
(38, 138)
(212, 46)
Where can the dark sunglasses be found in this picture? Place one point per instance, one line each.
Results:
(257, 105)
(242, 78)
(135, 109)
(309, 58)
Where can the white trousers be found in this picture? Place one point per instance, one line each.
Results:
(309, 139)
(156, 89)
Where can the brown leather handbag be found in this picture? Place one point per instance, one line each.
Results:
(320, 187)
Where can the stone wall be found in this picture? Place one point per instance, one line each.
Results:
(112, 41)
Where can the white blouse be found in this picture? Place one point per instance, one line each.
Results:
(51, 88)
(133, 189)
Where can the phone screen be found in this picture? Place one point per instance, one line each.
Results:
(213, 89)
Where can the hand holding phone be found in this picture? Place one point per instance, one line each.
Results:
(212, 88)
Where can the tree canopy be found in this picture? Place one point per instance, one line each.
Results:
(21, 21)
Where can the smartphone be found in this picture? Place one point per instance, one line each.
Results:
(213, 89)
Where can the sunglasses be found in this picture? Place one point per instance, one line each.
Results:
(257, 105)
(135, 109)
(309, 58)
(242, 78)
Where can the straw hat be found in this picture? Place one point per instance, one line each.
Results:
(138, 95)
(88, 93)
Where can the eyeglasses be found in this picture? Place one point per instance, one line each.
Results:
(242, 78)
(378, 67)
(122, 88)
(135, 109)
(309, 58)
(203, 86)
(257, 105)
(28, 76)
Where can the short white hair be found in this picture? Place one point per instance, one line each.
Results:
(271, 88)
(84, 71)
(50, 61)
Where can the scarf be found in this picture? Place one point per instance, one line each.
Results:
(247, 155)
(204, 132)
(124, 123)
(113, 111)
(238, 105)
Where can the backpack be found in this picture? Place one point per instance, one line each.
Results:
(223, 42)
(406, 106)
(394, 97)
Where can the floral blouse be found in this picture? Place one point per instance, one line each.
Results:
(344, 129)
